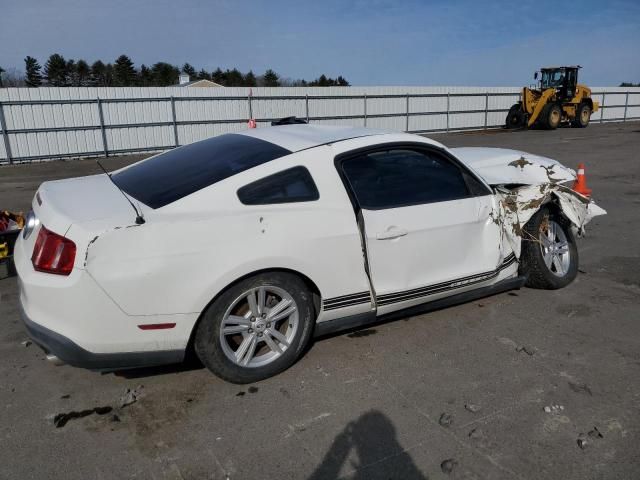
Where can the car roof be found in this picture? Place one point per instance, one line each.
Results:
(301, 136)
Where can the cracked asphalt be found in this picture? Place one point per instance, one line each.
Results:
(457, 393)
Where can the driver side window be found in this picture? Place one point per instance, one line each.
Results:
(400, 177)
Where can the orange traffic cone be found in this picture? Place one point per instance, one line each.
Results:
(580, 185)
(252, 123)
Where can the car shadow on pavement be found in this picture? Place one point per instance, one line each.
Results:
(188, 365)
(372, 438)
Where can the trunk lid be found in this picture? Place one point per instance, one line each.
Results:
(94, 199)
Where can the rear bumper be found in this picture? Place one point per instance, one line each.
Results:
(73, 354)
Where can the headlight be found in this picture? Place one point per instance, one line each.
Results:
(30, 224)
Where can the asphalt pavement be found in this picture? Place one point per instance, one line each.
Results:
(528, 384)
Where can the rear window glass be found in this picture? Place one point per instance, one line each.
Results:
(177, 173)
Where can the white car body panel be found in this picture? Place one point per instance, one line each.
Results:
(170, 268)
(500, 166)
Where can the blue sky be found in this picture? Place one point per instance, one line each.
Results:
(375, 42)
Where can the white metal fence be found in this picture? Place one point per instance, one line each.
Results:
(48, 123)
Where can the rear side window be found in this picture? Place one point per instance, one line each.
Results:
(396, 178)
(177, 173)
(289, 186)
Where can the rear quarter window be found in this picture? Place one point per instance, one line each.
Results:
(289, 186)
(170, 176)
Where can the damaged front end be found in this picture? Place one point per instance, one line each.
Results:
(523, 184)
(518, 204)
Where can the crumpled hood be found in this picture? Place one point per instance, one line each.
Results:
(500, 166)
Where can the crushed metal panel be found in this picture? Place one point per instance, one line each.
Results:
(518, 205)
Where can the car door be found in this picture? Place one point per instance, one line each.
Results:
(427, 224)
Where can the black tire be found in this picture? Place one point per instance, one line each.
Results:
(515, 117)
(532, 263)
(583, 116)
(551, 116)
(207, 341)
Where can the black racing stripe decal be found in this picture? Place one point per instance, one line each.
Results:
(347, 297)
(444, 286)
(365, 297)
(346, 300)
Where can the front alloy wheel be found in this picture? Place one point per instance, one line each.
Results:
(555, 248)
(549, 257)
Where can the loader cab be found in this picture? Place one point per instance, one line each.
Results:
(563, 79)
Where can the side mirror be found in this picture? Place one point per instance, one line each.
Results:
(535, 76)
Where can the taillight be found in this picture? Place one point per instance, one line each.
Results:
(53, 253)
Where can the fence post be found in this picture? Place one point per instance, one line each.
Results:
(448, 100)
(175, 123)
(365, 109)
(102, 129)
(250, 106)
(306, 105)
(407, 124)
(486, 108)
(602, 107)
(626, 104)
(5, 135)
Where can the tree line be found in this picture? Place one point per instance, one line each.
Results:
(60, 72)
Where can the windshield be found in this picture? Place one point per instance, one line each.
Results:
(172, 175)
(552, 78)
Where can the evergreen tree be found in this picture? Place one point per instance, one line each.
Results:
(189, 70)
(203, 75)
(124, 74)
(109, 75)
(55, 70)
(32, 69)
(165, 74)
(97, 76)
(2, 70)
(250, 79)
(83, 72)
(72, 74)
(145, 77)
(342, 82)
(218, 76)
(270, 79)
(234, 78)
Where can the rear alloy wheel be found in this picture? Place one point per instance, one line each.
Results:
(256, 328)
(549, 252)
(515, 117)
(583, 116)
(551, 116)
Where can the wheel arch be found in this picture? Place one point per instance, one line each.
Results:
(313, 288)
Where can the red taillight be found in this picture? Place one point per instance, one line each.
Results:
(53, 253)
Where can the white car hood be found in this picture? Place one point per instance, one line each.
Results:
(500, 166)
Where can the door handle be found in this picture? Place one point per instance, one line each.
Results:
(391, 233)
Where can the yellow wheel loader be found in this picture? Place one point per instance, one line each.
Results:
(558, 98)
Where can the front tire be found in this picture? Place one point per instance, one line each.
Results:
(549, 256)
(583, 116)
(551, 116)
(256, 328)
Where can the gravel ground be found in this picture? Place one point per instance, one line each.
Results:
(457, 393)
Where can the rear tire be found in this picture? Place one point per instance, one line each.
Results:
(515, 117)
(549, 255)
(583, 116)
(256, 328)
(551, 116)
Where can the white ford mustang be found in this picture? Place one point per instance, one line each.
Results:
(243, 246)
